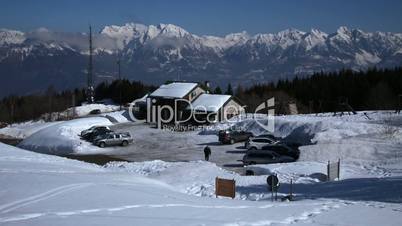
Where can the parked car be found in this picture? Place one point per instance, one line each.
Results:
(94, 131)
(114, 139)
(256, 143)
(264, 157)
(3, 124)
(283, 149)
(267, 135)
(95, 112)
(232, 136)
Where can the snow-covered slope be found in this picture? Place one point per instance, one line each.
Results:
(63, 138)
(25, 129)
(11, 37)
(42, 190)
(84, 110)
(124, 34)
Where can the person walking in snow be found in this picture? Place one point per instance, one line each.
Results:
(207, 153)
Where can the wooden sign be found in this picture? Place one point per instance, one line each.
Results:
(224, 187)
(333, 170)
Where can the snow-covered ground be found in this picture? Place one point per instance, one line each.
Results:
(369, 192)
(39, 189)
(23, 130)
(198, 178)
(369, 139)
(86, 109)
(118, 116)
(63, 138)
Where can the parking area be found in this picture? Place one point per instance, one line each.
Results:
(150, 144)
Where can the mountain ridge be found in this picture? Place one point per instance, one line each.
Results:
(156, 53)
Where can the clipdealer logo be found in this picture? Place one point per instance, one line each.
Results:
(269, 106)
(163, 114)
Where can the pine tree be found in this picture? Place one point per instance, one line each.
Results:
(218, 90)
(229, 90)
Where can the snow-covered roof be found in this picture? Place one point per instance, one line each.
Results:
(174, 90)
(209, 102)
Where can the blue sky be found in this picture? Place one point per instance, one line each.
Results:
(212, 17)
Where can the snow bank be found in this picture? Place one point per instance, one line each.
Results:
(326, 137)
(118, 116)
(324, 127)
(63, 138)
(84, 110)
(314, 172)
(198, 178)
(193, 178)
(25, 129)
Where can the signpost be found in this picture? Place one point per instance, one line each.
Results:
(333, 170)
(224, 187)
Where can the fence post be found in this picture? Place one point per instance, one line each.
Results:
(234, 188)
(272, 189)
(328, 179)
(291, 188)
(216, 187)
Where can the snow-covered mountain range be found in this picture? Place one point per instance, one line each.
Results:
(34, 60)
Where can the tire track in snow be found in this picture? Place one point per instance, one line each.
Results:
(151, 206)
(42, 196)
(121, 208)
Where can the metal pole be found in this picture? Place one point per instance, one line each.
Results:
(328, 179)
(272, 188)
(291, 189)
(120, 91)
(90, 89)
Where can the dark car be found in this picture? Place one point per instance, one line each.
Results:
(232, 136)
(95, 112)
(267, 135)
(265, 157)
(94, 132)
(283, 149)
(3, 124)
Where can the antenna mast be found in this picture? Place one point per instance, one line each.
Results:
(120, 81)
(90, 87)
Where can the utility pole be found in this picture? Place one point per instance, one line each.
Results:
(120, 82)
(90, 87)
